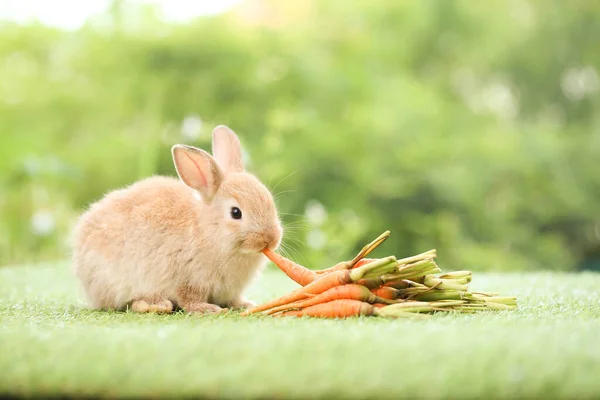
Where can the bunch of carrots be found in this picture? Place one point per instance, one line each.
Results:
(386, 287)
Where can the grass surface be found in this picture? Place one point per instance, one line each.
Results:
(550, 347)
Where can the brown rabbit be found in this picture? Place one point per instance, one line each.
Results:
(195, 243)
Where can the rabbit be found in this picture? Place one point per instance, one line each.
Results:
(192, 243)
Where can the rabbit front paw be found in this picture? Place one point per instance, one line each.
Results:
(242, 303)
(152, 304)
(203, 308)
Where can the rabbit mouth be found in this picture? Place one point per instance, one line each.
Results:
(246, 250)
(256, 242)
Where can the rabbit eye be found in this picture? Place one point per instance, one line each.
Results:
(236, 213)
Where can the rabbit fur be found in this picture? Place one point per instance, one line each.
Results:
(163, 242)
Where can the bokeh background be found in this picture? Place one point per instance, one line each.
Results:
(471, 127)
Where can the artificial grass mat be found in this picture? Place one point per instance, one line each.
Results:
(50, 344)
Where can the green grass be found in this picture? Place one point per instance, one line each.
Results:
(550, 347)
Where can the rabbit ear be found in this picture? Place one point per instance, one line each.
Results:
(197, 169)
(227, 149)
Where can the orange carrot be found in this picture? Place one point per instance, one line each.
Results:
(375, 282)
(385, 292)
(350, 291)
(301, 275)
(337, 267)
(318, 286)
(345, 265)
(400, 284)
(326, 282)
(371, 283)
(379, 305)
(363, 262)
(333, 309)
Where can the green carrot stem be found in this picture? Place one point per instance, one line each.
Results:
(413, 290)
(416, 275)
(496, 299)
(386, 279)
(416, 266)
(430, 254)
(460, 281)
(465, 311)
(395, 277)
(403, 284)
(503, 300)
(381, 270)
(399, 314)
(438, 294)
(414, 284)
(423, 292)
(411, 271)
(474, 306)
(398, 284)
(447, 303)
(377, 267)
(431, 281)
(497, 306)
(458, 275)
(487, 294)
(387, 311)
(369, 248)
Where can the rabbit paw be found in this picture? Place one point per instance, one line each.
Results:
(204, 308)
(152, 304)
(242, 303)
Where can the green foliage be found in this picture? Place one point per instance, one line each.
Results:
(548, 348)
(468, 127)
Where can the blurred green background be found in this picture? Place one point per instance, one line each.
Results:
(470, 127)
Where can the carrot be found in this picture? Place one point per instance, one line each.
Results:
(428, 255)
(451, 284)
(354, 308)
(413, 271)
(401, 284)
(361, 254)
(364, 261)
(391, 280)
(350, 291)
(318, 286)
(333, 309)
(345, 265)
(463, 276)
(326, 282)
(385, 292)
(337, 267)
(379, 305)
(371, 283)
(416, 306)
(301, 275)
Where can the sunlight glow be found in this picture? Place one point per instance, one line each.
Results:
(72, 14)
